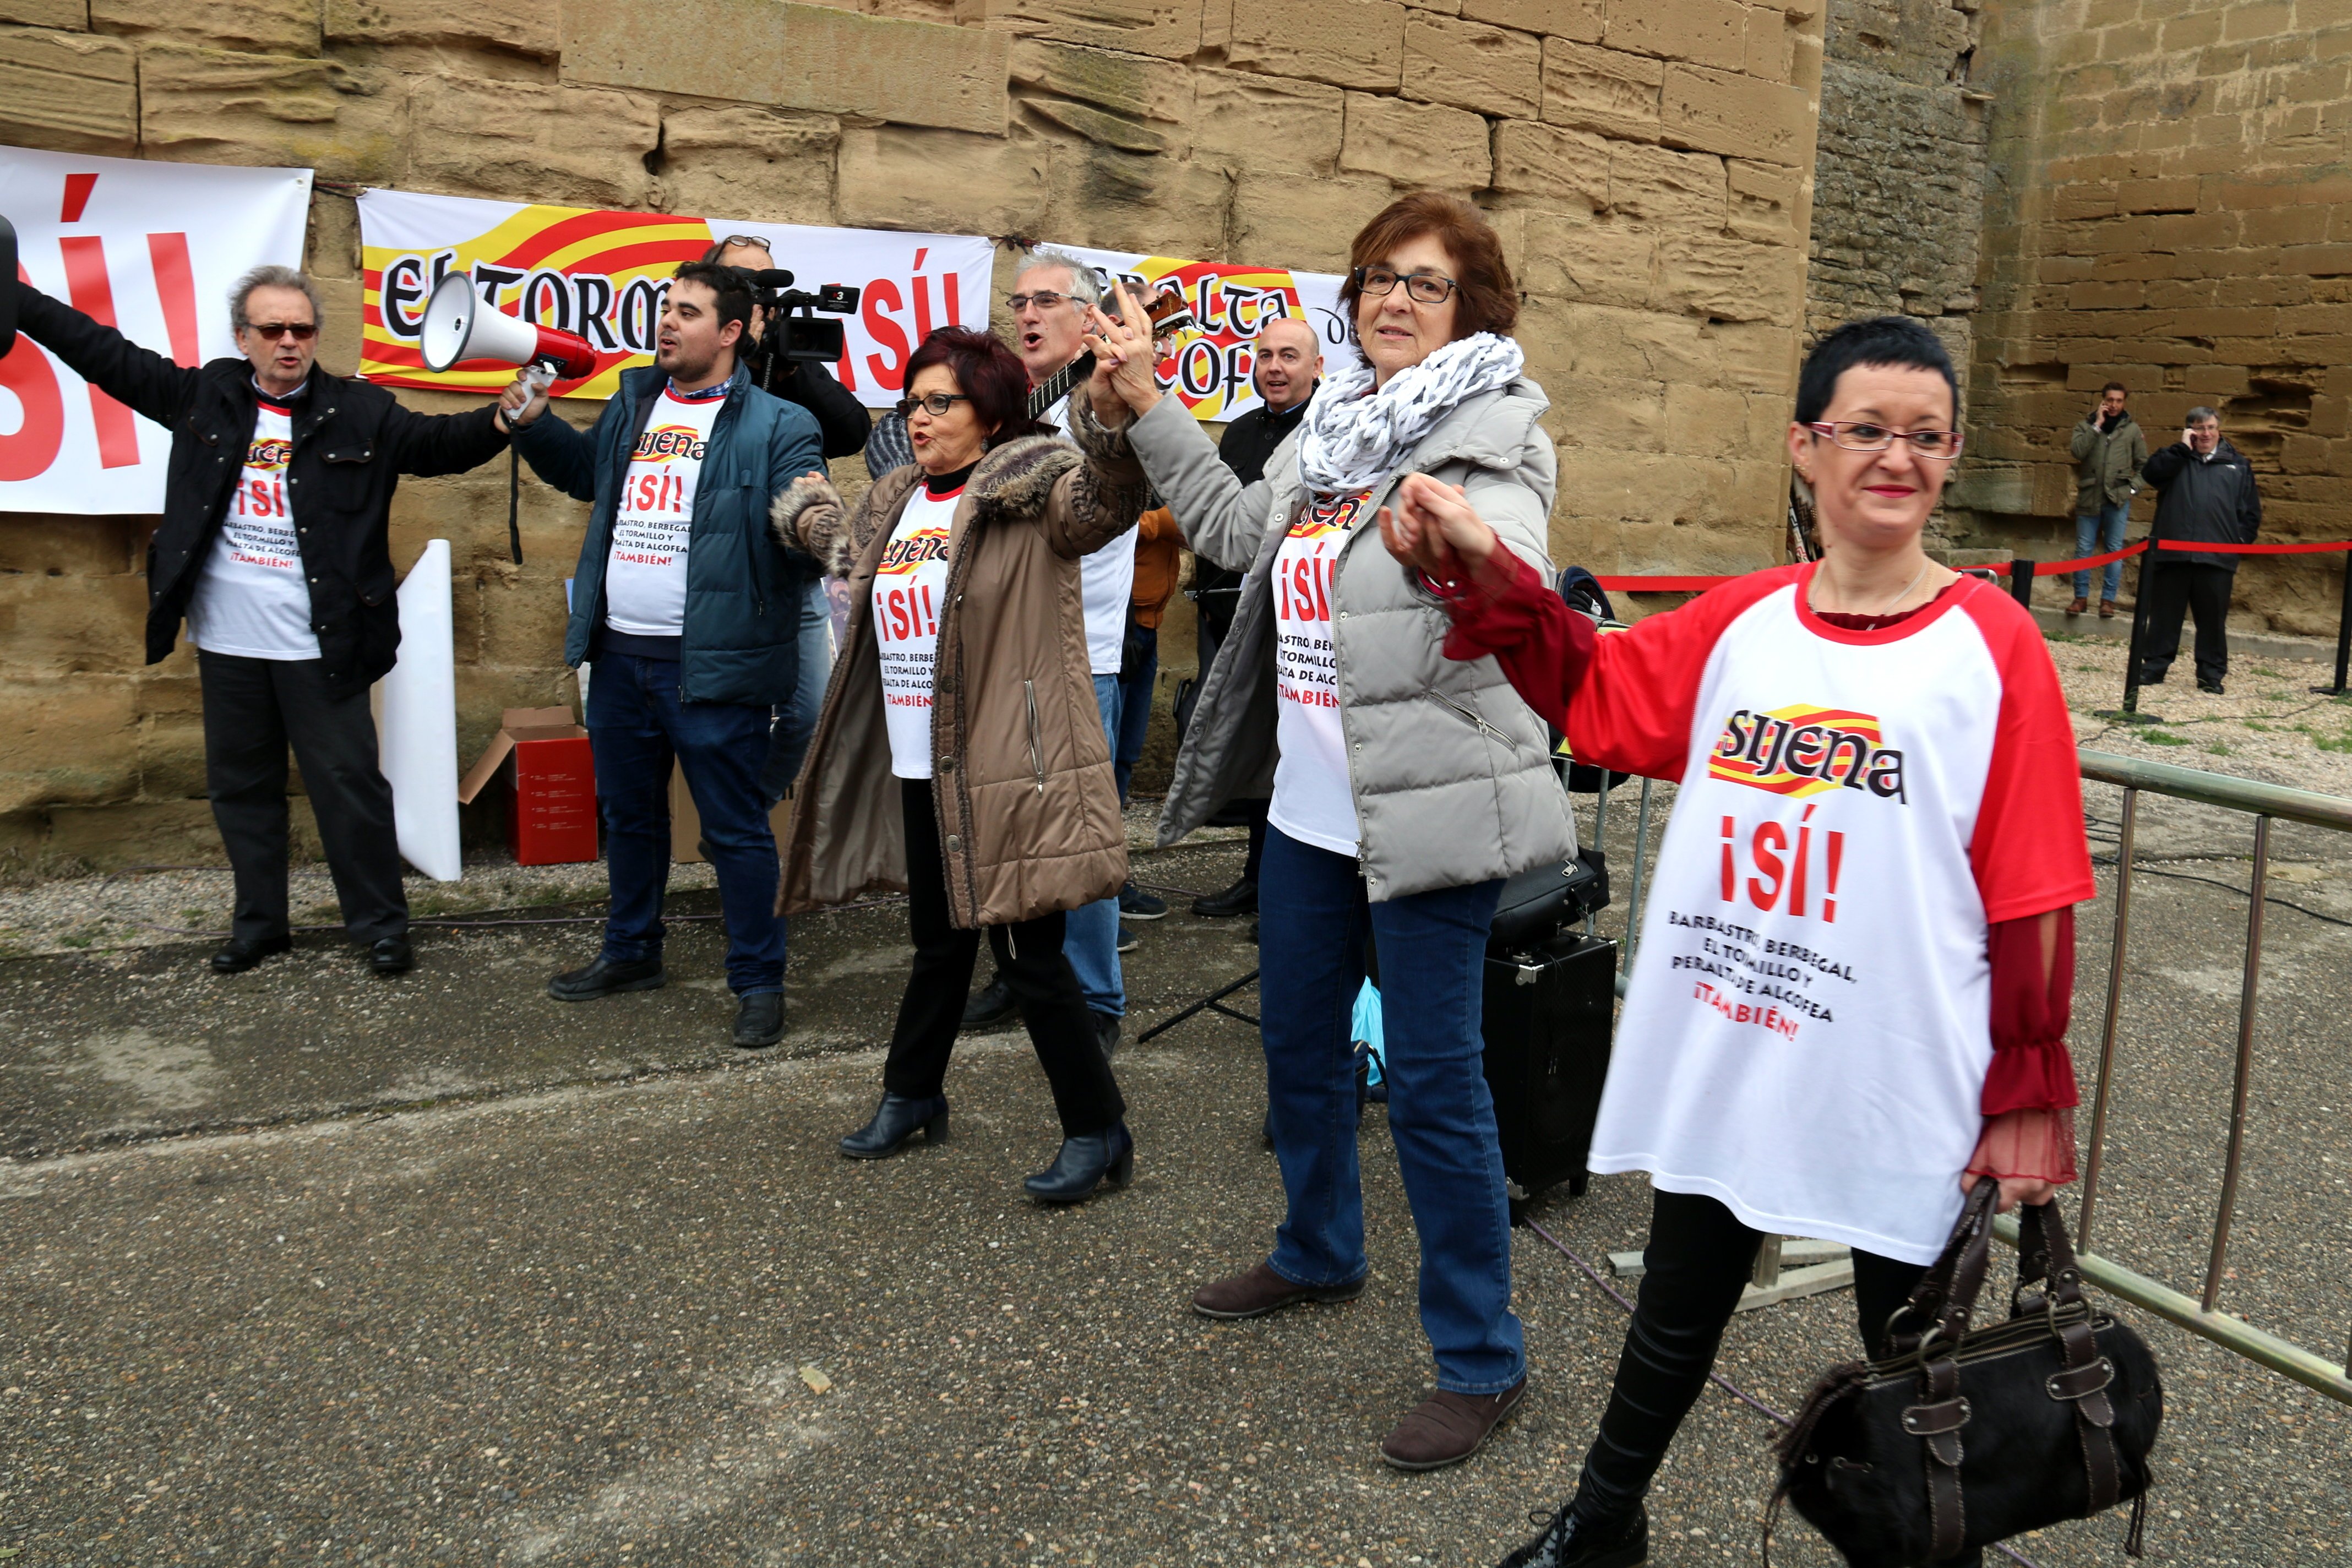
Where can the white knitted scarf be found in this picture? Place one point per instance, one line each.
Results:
(1352, 441)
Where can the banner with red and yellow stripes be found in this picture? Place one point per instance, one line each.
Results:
(604, 274)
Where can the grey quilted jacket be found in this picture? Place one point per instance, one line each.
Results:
(1451, 772)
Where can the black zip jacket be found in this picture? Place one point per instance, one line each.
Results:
(351, 442)
(2216, 501)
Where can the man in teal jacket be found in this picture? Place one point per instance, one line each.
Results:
(690, 611)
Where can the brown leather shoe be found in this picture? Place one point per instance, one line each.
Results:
(2107, 609)
(1262, 1290)
(1448, 1428)
(2078, 607)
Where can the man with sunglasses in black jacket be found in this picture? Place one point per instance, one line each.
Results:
(273, 547)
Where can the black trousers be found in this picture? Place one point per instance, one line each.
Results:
(1029, 957)
(1698, 1258)
(254, 707)
(2201, 591)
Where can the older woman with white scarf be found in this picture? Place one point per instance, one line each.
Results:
(1405, 786)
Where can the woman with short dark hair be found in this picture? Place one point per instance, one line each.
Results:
(1857, 955)
(964, 676)
(1404, 787)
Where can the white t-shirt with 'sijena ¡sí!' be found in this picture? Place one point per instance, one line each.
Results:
(645, 574)
(1808, 1026)
(251, 600)
(1314, 801)
(909, 595)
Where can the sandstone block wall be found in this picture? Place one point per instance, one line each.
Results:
(2168, 207)
(1649, 161)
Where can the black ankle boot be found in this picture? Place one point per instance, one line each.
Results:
(1567, 1541)
(1104, 1159)
(897, 1119)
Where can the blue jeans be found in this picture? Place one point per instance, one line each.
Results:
(1090, 939)
(2096, 536)
(1312, 904)
(636, 726)
(1134, 710)
(787, 742)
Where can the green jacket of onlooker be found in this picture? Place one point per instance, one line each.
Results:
(2106, 464)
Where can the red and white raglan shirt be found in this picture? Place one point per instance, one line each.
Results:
(652, 524)
(251, 600)
(1867, 821)
(1314, 801)
(910, 589)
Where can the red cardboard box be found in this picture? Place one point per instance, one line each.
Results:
(545, 760)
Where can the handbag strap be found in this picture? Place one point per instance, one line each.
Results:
(1941, 1302)
(2045, 1252)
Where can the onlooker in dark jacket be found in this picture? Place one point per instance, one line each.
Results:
(2108, 451)
(692, 614)
(273, 547)
(2205, 492)
(1284, 363)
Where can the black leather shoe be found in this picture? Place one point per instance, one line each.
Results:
(991, 1005)
(759, 1020)
(896, 1120)
(237, 955)
(1240, 898)
(1106, 1032)
(1135, 904)
(1566, 1542)
(605, 978)
(391, 955)
(1104, 1159)
(2211, 688)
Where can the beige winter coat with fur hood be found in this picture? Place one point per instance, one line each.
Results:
(1028, 809)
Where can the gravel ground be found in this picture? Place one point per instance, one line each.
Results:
(309, 1266)
(2270, 724)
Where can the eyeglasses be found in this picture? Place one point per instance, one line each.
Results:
(937, 404)
(744, 242)
(1858, 436)
(1429, 287)
(300, 332)
(1044, 299)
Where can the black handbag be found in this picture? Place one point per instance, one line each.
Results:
(1958, 1436)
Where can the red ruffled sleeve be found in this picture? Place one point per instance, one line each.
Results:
(2029, 1091)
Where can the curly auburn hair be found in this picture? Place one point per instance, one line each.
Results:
(1486, 300)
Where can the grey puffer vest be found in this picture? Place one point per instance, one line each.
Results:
(1451, 772)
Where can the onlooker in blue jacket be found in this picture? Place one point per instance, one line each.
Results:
(2205, 490)
(691, 612)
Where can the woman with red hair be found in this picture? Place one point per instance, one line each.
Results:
(964, 676)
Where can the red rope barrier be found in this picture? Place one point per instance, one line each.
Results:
(2199, 545)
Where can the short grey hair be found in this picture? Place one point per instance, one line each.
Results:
(272, 278)
(2200, 414)
(1086, 287)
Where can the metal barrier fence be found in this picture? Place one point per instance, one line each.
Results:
(2266, 804)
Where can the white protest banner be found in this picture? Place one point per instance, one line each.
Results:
(1210, 371)
(604, 274)
(151, 249)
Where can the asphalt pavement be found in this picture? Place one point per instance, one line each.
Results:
(306, 1266)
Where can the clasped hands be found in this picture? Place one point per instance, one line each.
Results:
(1433, 528)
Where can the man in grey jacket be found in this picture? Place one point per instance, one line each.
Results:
(2108, 451)
(2205, 492)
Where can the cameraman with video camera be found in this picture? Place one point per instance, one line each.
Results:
(843, 427)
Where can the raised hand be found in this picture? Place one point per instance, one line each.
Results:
(1442, 513)
(1124, 357)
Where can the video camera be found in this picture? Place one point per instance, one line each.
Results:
(793, 331)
